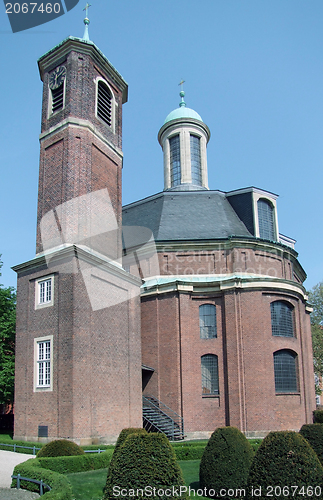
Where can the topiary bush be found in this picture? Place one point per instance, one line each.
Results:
(145, 461)
(225, 462)
(318, 416)
(121, 439)
(285, 466)
(314, 435)
(60, 448)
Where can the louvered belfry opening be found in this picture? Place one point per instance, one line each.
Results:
(57, 98)
(104, 103)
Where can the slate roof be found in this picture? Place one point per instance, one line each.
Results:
(186, 215)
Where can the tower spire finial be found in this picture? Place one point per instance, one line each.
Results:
(182, 94)
(86, 22)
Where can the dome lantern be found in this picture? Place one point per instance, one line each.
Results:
(183, 138)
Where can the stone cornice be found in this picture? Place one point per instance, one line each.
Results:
(77, 122)
(219, 284)
(54, 256)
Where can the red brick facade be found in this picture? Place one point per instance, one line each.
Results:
(91, 324)
(245, 345)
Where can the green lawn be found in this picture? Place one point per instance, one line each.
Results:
(89, 485)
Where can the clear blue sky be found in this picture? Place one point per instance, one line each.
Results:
(253, 71)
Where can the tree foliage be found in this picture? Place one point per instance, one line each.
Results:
(316, 300)
(7, 342)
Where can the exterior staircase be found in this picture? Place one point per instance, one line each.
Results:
(157, 417)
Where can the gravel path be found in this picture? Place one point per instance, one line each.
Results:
(8, 461)
(13, 494)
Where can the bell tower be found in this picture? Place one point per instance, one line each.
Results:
(81, 136)
(78, 346)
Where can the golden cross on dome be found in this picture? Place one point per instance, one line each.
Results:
(181, 84)
(86, 8)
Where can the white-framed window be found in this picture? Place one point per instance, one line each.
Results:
(43, 363)
(44, 292)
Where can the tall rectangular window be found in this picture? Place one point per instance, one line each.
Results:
(285, 367)
(175, 161)
(44, 292)
(282, 319)
(266, 220)
(43, 362)
(210, 374)
(196, 160)
(207, 314)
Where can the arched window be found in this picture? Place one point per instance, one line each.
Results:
(104, 103)
(175, 161)
(282, 324)
(207, 321)
(196, 160)
(210, 374)
(285, 367)
(266, 220)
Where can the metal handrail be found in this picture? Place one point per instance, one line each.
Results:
(41, 484)
(176, 419)
(15, 446)
(34, 448)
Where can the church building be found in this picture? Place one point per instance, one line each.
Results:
(182, 312)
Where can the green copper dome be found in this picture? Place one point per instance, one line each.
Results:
(182, 111)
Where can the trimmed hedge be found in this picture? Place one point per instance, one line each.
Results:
(318, 416)
(284, 460)
(61, 487)
(68, 465)
(188, 451)
(144, 460)
(60, 448)
(226, 461)
(314, 435)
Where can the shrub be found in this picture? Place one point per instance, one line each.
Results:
(283, 462)
(226, 461)
(60, 448)
(82, 463)
(314, 435)
(61, 487)
(122, 437)
(318, 416)
(145, 460)
(188, 451)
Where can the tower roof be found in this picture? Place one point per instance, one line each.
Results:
(186, 215)
(58, 53)
(182, 111)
